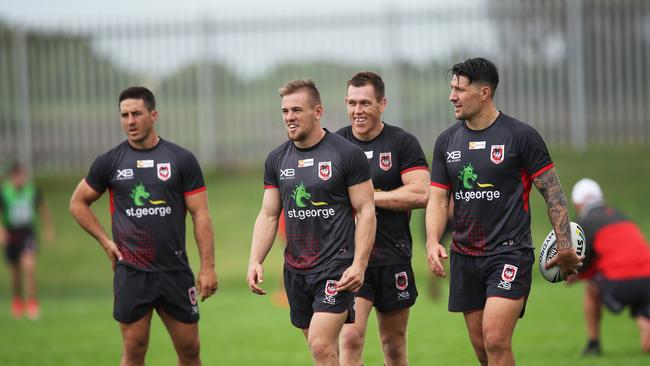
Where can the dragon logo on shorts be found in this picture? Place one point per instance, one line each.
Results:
(330, 292)
(509, 273)
(192, 294)
(401, 281)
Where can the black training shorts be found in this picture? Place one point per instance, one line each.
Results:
(17, 243)
(390, 288)
(316, 292)
(474, 279)
(137, 292)
(617, 294)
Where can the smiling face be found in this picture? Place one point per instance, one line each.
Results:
(301, 116)
(364, 111)
(138, 123)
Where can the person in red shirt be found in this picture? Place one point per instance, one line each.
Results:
(616, 267)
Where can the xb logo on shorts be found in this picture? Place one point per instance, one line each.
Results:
(330, 292)
(468, 178)
(140, 198)
(507, 276)
(303, 201)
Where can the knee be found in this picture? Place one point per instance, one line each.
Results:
(645, 344)
(322, 350)
(135, 349)
(189, 351)
(496, 343)
(352, 339)
(394, 345)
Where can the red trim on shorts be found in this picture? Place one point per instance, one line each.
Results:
(421, 167)
(443, 186)
(198, 190)
(537, 173)
(270, 187)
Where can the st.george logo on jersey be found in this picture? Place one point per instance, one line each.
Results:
(325, 170)
(164, 171)
(497, 153)
(385, 161)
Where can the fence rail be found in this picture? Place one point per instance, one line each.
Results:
(577, 70)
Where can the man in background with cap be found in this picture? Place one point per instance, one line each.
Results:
(617, 264)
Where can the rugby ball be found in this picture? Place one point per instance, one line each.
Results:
(549, 250)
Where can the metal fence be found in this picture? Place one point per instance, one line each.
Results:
(577, 70)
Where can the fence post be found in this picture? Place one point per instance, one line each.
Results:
(577, 109)
(21, 88)
(206, 98)
(393, 77)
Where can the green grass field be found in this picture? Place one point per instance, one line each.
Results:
(239, 328)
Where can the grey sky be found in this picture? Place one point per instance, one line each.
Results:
(60, 10)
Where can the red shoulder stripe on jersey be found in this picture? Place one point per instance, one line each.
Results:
(537, 173)
(270, 187)
(443, 186)
(198, 190)
(421, 167)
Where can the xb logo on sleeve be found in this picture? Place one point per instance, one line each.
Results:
(124, 174)
(453, 157)
(287, 173)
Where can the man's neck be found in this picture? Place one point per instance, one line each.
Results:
(147, 144)
(311, 140)
(484, 119)
(371, 134)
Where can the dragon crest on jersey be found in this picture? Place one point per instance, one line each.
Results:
(325, 170)
(497, 153)
(385, 161)
(164, 171)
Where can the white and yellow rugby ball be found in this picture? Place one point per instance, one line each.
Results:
(549, 250)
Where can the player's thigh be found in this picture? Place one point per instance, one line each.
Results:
(362, 308)
(183, 335)
(136, 334)
(500, 316)
(474, 324)
(393, 324)
(325, 327)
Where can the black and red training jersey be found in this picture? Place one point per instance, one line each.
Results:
(392, 153)
(147, 201)
(313, 184)
(489, 174)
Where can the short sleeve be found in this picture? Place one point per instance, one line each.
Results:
(98, 177)
(192, 175)
(411, 156)
(270, 171)
(534, 153)
(439, 177)
(357, 169)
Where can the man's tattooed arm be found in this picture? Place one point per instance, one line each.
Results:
(549, 186)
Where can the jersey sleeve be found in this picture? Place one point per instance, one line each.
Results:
(98, 177)
(270, 171)
(192, 176)
(534, 153)
(411, 155)
(439, 176)
(357, 169)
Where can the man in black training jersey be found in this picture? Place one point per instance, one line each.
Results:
(321, 181)
(152, 184)
(487, 162)
(400, 176)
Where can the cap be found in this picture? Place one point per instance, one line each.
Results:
(586, 191)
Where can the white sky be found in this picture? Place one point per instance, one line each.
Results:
(54, 11)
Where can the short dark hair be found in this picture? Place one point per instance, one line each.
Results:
(294, 86)
(139, 92)
(478, 70)
(368, 77)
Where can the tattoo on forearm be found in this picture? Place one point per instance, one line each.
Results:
(549, 186)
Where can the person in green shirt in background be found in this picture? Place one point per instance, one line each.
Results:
(19, 202)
